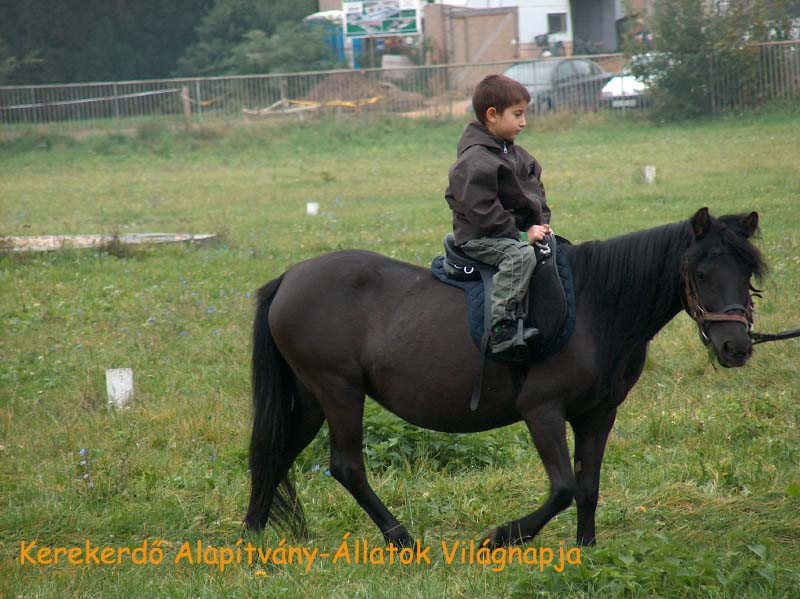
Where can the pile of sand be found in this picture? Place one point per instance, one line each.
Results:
(361, 86)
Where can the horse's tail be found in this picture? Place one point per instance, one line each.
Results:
(272, 492)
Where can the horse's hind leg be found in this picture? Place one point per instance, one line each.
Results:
(344, 409)
(548, 428)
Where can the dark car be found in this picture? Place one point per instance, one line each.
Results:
(568, 83)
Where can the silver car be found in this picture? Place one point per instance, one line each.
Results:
(560, 83)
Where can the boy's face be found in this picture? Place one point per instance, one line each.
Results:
(508, 123)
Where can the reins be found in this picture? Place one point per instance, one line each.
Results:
(764, 337)
(694, 306)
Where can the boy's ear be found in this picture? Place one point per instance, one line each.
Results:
(491, 114)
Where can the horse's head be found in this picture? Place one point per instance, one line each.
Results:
(716, 277)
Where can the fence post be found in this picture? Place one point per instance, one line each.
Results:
(199, 99)
(115, 92)
(284, 85)
(187, 106)
(712, 84)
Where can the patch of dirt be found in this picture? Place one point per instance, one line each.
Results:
(359, 86)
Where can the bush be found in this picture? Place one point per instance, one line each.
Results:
(704, 60)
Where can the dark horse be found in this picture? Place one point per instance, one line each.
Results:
(336, 327)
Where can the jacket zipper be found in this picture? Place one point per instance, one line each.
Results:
(505, 148)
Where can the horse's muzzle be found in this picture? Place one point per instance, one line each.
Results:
(731, 344)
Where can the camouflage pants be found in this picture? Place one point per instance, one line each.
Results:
(515, 261)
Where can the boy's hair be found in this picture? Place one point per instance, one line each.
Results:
(497, 91)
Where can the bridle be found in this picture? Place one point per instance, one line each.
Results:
(693, 304)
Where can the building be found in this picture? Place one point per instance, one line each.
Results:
(471, 31)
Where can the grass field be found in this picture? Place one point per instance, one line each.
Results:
(700, 491)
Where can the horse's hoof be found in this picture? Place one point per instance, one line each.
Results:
(401, 541)
(255, 524)
(493, 539)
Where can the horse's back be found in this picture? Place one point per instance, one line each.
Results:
(387, 327)
(355, 296)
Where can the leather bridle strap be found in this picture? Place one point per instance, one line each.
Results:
(694, 306)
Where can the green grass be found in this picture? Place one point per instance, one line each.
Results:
(700, 491)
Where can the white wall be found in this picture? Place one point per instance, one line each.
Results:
(532, 16)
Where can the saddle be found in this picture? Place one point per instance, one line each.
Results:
(551, 300)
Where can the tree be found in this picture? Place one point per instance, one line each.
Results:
(96, 40)
(256, 36)
(10, 63)
(700, 58)
(293, 47)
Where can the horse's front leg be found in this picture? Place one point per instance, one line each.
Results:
(591, 433)
(548, 428)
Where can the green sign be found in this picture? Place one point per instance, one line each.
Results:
(381, 18)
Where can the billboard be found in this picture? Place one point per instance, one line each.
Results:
(381, 18)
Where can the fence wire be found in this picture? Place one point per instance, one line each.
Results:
(582, 83)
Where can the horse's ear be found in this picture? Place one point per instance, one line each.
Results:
(750, 224)
(701, 222)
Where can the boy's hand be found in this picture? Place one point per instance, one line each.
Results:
(537, 232)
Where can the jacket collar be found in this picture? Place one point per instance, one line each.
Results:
(477, 135)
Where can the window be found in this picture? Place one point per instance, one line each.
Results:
(582, 68)
(557, 22)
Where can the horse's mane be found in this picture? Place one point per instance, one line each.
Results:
(616, 271)
(634, 280)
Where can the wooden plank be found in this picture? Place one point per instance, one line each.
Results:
(47, 243)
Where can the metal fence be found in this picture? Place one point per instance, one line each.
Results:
(572, 84)
(762, 72)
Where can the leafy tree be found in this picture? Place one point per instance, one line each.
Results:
(703, 58)
(256, 36)
(96, 40)
(10, 63)
(293, 47)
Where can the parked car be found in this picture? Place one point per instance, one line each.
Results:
(560, 83)
(625, 91)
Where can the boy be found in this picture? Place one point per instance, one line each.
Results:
(495, 193)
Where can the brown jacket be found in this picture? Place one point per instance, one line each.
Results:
(494, 188)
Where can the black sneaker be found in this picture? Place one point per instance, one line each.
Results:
(505, 336)
(502, 336)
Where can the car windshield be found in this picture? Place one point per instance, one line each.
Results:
(533, 73)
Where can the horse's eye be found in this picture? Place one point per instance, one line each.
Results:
(701, 275)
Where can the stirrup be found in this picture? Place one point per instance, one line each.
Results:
(524, 333)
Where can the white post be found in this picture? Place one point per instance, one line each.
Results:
(119, 384)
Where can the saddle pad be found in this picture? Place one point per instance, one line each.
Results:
(475, 296)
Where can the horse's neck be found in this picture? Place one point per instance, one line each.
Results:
(633, 282)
